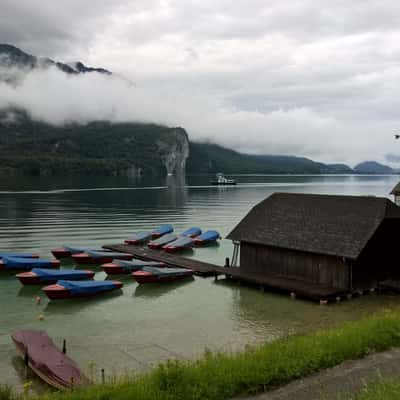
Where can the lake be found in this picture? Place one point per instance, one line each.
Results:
(144, 325)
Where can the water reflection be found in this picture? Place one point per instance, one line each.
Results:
(156, 290)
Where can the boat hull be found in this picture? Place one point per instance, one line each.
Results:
(143, 277)
(28, 267)
(30, 278)
(58, 292)
(47, 361)
(84, 258)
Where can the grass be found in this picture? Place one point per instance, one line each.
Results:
(218, 376)
(380, 390)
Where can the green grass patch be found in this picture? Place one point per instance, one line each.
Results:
(388, 389)
(218, 376)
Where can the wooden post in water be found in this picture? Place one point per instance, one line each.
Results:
(103, 378)
(64, 348)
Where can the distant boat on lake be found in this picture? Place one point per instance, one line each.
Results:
(220, 179)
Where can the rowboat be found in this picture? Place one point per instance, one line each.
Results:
(68, 289)
(19, 263)
(179, 244)
(19, 255)
(207, 238)
(162, 241)
(46, 276)
(162, 230)
(153, 274)
(139, 237)
(125, 267)
(99, 257)
(47, 361)
(67, 251)
(192, 232)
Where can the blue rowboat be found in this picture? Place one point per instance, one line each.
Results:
(179, 244)
(192, 232)
(207, 238)
(19, 263)
(126, 267)
(19, 255)
(152, 274)
(67, 251)
(47, 276)
(163, 240)
(139, 237)
(64, 289)
(99, 257)
(162, 230)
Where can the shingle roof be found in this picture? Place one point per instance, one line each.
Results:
(324, 224)
(396, 189)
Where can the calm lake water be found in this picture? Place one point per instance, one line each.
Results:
(144, 325)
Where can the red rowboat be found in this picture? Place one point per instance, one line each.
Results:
(100, 257)
(46, 276)
(152, 275)
(70, 289)
(118, 267)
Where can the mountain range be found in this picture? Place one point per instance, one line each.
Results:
(101, 147)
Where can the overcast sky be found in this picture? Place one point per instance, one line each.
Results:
(312, 78)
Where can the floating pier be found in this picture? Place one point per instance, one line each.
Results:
(307, 290)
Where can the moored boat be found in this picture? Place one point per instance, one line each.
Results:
(117, 267)
(64, 289)
(192, 232)
(19, 255)
(179, 244)
(47, 361)
(19, 263)
(152, 274)
(67, 251)
(220, 179)
(46, 276)
(207, 238)
(163, 240)
(162, 230)
(139, 237)
(99, 257)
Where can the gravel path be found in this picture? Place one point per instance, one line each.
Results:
(339, 382)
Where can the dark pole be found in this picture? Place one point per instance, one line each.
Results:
(64, 349)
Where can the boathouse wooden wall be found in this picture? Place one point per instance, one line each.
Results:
(291, 264)
(379, 259)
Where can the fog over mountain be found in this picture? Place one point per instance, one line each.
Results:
(264, 77)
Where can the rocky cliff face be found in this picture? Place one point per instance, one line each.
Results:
(175, 153)
(100, 147)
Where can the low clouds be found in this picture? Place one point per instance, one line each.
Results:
(264, 76)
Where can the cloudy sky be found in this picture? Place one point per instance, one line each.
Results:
(319, 79)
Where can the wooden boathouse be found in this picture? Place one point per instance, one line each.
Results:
(396, 194)
(341, 243)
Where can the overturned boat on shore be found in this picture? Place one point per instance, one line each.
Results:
(64, 289)
(47, 361)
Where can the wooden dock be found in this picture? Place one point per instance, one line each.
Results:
(302, 289)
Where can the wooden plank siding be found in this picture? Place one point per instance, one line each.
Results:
(285, 263)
